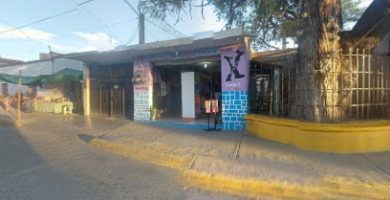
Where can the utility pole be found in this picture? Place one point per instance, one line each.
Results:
(141, 22)
(51, 60)
(160, 24)
(19, 122)
(141, 28)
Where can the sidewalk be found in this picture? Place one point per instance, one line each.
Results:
(234, 163)
(277, 168)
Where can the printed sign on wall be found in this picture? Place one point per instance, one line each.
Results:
(142, 75)
(235, 68)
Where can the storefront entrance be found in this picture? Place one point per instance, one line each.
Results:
(180, 91)
(166, 92)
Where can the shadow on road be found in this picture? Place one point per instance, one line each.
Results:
(25, 174)
(86, 138)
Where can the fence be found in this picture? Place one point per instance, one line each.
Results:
(369, 88)
(356, 87)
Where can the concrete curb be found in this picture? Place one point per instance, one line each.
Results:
(326, 188)
(139, 153)
(248, 187)
(355, 189)
(344, 138)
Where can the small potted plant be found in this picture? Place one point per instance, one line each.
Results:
(155, 113)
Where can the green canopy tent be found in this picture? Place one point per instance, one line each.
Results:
(63, 76)
(26, 80)
(60, 76)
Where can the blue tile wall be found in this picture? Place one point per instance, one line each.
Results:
(234, 108)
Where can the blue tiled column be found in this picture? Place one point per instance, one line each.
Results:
(234, 108)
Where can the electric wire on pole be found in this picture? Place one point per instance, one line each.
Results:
(158, 23)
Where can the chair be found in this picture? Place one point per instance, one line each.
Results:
(66, 110)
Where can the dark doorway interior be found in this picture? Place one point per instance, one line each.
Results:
(167, 91)
(167, 88)
(265, 90)
(112, 90)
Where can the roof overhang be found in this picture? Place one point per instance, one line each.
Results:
(125, 54)
(375, 21)
(273, 56)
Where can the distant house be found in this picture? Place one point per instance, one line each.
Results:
(7, 61)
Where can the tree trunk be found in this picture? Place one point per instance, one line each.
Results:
(318, 96)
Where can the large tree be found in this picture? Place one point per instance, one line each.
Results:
(319, 62)
(316, 25)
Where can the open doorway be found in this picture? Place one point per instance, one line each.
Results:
(180, 90)
(166, 92)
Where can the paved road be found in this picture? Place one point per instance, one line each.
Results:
(47, 159)
(40, 161)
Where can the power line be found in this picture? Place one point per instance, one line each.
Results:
(40, 20)
(152, 35)
(84, 2)
(21, 31)
(158, 23)
(131, 39)
(98, 20)
(166, 28)
(131, 7)
(47, 18)
(108, 25)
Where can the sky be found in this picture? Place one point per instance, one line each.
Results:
(98, 25)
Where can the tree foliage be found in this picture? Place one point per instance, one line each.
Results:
(351, 10)
(269, 19)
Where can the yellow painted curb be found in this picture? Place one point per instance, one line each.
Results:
(328, 188)
(336, 138)
(356, 189)
(141, 153)
(248, 187)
